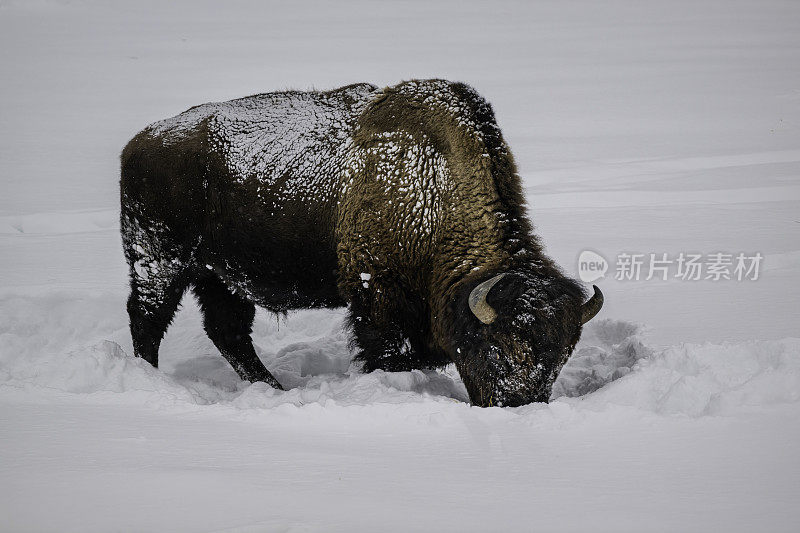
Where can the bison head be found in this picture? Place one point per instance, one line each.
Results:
(515, 332)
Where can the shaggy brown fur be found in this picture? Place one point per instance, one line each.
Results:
(397, 202)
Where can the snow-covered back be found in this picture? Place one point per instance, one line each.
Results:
(294, 136)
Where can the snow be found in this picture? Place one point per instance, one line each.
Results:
(637, 126)
(265, 135)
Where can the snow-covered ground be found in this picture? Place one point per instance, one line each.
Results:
(650, 127)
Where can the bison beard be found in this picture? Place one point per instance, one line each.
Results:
(403, 203)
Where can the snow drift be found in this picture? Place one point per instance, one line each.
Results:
(99, 435)
(74, 344)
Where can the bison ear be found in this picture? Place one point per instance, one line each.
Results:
(477, 300)
(592, 306)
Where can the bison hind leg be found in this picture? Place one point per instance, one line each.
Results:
(228, 321)
(158, 280)
(151, 307)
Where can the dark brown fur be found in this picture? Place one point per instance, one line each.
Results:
(420, 204)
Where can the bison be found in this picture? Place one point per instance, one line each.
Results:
(403, 203)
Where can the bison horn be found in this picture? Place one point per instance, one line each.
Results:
(592, 306)
(477, 300)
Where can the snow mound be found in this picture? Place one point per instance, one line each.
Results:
(78, 345)
(710, 379)
(608, 350)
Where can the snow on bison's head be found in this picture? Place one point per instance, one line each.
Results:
(514, 333)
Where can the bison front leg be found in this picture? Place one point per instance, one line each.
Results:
(385, 341)
(381, 346)
(228, 321)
